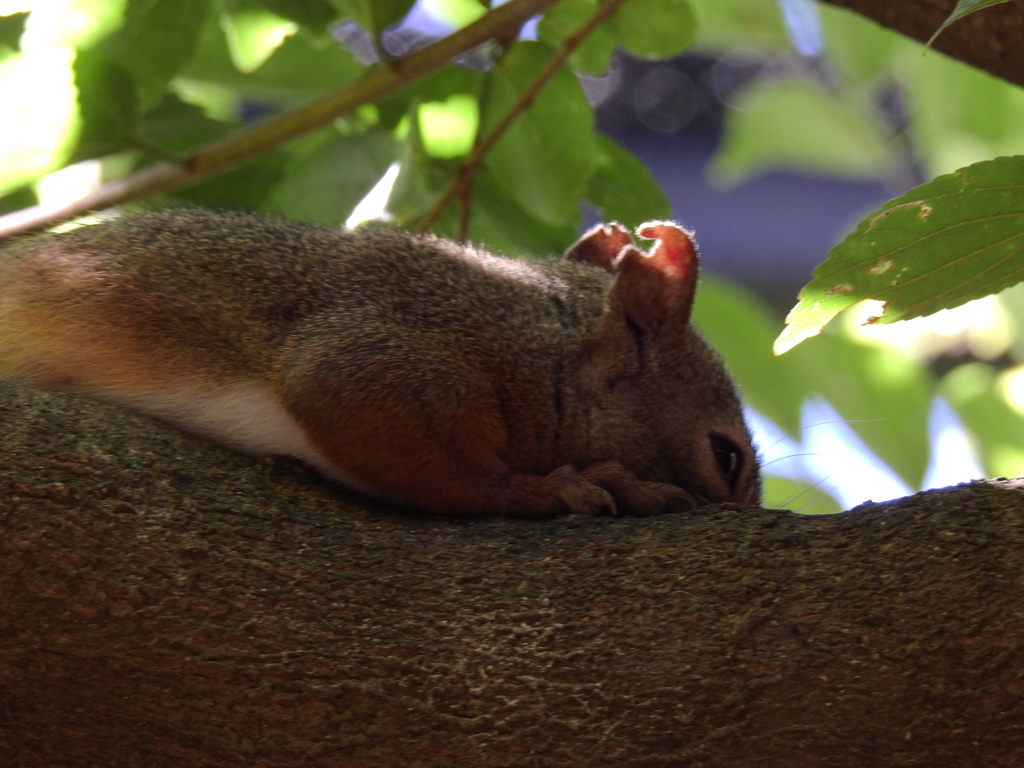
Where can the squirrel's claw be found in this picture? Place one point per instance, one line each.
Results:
(634, 496)
(580, 496)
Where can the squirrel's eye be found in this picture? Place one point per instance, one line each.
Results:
(729, 458)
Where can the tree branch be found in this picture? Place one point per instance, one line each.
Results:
(167, 603)
(221, 156)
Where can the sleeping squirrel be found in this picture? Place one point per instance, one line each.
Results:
(412, 368)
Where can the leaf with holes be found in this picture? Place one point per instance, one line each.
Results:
(957, 238)
(963, 7)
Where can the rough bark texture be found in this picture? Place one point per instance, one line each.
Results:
(991, 39)
(166, 603)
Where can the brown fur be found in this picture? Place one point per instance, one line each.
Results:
(422, 370)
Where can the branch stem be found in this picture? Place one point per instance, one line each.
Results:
(459, 184)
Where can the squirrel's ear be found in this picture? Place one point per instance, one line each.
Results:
(600, 245)
(657, 288)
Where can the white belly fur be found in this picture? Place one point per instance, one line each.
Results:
(245, 417)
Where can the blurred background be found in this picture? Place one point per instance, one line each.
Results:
(781, 126)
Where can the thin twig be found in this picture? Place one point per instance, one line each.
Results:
(472, 162)
(166, 176)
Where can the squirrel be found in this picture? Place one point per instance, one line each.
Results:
(411, 368)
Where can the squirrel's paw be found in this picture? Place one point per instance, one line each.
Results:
(634, 496)
(604, 488)
(580, 496)
(671, 498)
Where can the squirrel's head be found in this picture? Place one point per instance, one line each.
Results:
(664, 404)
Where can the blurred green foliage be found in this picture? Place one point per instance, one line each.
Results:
(127, 82)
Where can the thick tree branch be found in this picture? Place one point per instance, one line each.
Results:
(221, 156)
(166, 603)
(991, 39)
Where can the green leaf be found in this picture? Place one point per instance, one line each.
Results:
(243, 188)
(959, 115)
(791, 124)
(387, 12)
(885, 394)
(314, 15)
(416, 188)
(253, 34)
(420, 181)
(438, 86)
(797, 496)
(654, 29)
(375, 15)
(22, 197)
(593, 56)
(11, 28)
(971, 389)
(496, 220)
(296, 72)
(724, 25)
(963, 7)
(859, 47)
(957, 238)
(505, 227)
(354, 10)
(448, 128)
(622, 188)
(545, 159)
(326, 186)
(742, 327)
(455, 13)
(157, 38)
(107, 106)
(176, 126)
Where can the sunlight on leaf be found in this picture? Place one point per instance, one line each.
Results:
(70, 183)
(963, 7)
(983, 327)
(79, 23)
(447, 128)
(958, 237)
(254, 35)
(457, 13)
(39, 132)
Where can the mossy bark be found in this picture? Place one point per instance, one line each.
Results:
(166, 603)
